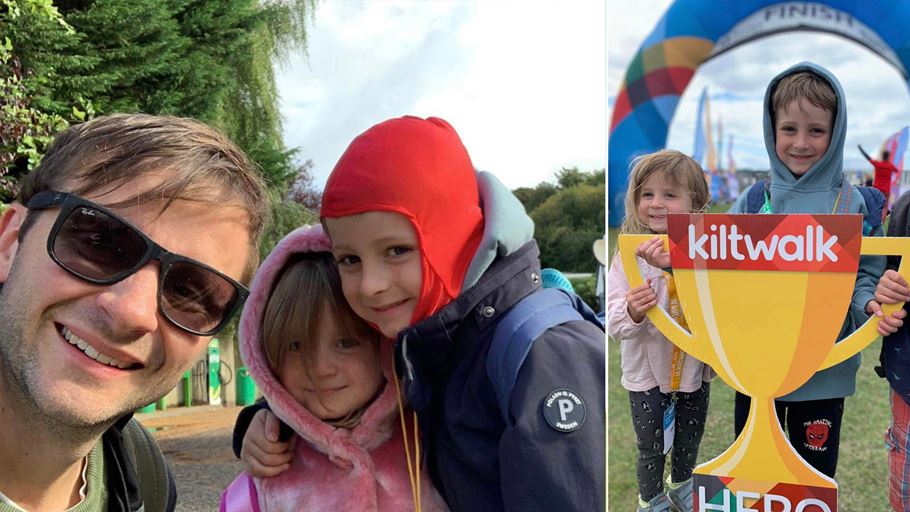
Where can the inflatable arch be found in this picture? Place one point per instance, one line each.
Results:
(693, 32)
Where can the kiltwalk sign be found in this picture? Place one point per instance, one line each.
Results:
(764, 297)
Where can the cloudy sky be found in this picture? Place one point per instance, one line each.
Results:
(521, 81)
(878, 103)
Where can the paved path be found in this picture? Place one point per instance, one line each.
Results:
(197, 444)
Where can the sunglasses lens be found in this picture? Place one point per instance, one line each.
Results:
(195, 297)
(103, 249)
(96, 245)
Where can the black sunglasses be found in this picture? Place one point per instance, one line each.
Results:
(93, 243)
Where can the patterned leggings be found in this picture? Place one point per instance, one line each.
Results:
(647, 419)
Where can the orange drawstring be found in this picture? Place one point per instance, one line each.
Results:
(413, 468)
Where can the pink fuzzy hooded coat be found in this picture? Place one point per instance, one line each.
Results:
(363, 469)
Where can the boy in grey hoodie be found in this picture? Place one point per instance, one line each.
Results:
(805, 124)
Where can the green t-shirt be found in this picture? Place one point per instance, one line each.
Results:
(95, 476)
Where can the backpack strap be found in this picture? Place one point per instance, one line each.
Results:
(150, 466)
(755, 197)
(517, 330)
(874, 199)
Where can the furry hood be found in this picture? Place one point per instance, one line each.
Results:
(506, 227)
(375, 425)
(359, 470)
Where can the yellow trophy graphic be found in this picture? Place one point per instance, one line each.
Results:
(765, 297)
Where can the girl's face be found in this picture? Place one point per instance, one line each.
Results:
(658, 198)
(379, 261)
(344, 374)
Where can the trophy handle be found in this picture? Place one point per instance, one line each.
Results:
(867, 332)
(657, 315)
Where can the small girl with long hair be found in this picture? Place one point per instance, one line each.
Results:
(324, 374)
(660, 377)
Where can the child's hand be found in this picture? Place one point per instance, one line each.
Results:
(262, 454)
(640, 299)
(653, 252)
(887, 324)
(892, 288)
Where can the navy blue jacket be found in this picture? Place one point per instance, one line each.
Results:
(477, 461)
(896, 347)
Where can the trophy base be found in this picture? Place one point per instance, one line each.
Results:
(731, 494)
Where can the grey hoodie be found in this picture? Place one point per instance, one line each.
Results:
(817, 192)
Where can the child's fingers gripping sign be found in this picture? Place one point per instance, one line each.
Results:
(892, 288)
(653, 252)
(640, 299)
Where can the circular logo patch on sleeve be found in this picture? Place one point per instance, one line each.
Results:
(564, 410)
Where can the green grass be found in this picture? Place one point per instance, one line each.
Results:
(862, 470)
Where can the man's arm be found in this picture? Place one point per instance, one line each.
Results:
(553, 451)
(861, 150)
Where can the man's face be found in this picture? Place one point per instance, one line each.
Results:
(60, 334)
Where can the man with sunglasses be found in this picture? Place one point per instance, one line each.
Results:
(122, 256)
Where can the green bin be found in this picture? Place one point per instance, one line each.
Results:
(246, 388)
(148, 408)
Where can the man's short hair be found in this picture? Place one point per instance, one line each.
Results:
(804, 85)
(200, 164)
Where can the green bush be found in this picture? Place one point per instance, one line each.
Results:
(586, 287)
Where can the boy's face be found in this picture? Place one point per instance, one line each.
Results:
(378, 257)
(802, 133)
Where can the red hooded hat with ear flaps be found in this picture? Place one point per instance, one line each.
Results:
(420, 169)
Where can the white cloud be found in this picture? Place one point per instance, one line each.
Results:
(522, 82)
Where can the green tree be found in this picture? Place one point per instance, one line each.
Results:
(208, 59)
(569, 177)
(531, 198)
(568, 223)
(242, 40)
(286, 216)
(135, 49)
(25, 129)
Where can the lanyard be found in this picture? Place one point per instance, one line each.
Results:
(679, 357)
(413, 467)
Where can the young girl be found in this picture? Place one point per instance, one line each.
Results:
(434, 255)
(661, 183)
(325, 375)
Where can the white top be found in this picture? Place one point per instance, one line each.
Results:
(6, 501)
(646, 353)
